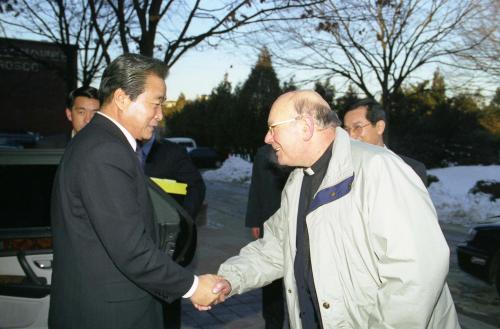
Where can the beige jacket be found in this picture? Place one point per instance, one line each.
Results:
(378, 255)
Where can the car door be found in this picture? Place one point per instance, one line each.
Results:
(26, 178)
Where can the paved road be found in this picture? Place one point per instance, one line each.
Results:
(224, 234)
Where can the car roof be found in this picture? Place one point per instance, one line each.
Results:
(30, 156)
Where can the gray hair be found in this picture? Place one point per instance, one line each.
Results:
(311, 103)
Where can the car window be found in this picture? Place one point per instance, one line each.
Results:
(25, 195)
(27, 177)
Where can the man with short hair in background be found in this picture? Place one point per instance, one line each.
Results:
(365, 121)
(81, 105)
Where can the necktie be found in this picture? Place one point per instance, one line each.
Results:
(140, 154)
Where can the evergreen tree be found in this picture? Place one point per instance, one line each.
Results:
(344, 102)
(221, 103)
(207, 119)
(255, 98)
(490, 117)
(289, 85)
(438, 130)
(326, 90)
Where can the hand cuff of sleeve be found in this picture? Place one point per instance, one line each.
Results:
(193, 288)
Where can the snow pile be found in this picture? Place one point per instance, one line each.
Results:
(451, 197)
(234, 169)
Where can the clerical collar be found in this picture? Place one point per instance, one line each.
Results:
(322, 163)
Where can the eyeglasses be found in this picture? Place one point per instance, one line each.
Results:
(356, 130)
(279, 123)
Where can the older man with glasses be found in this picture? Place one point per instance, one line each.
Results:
(356, 238)
(365, 121)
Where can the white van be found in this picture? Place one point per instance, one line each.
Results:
(187, 142)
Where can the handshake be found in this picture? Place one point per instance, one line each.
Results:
(212, 289)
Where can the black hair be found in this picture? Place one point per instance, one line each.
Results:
(374, 111)
(129, 72)
(84, 91)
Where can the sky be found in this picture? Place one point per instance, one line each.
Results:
(450, 195)
(198, 72)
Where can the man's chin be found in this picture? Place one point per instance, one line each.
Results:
(148, 133)
(281, 161)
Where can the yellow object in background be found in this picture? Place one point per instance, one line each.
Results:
(171, 186)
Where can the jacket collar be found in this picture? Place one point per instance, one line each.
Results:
(131, 140)
(110, 127)
(340, 167)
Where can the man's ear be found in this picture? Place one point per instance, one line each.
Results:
(380, 127)
(307, 127)
(68, 115)
(121, 99)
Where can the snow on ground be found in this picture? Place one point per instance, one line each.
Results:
(234, 169)
(451, 197)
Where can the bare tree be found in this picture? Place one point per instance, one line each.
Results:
(64, 22)
(375, 44)
(482, 33)
(161, 28)
(170, 28)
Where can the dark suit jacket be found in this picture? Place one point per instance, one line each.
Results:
(108, 271)
(169, 160)
(418, 167)
(268, 180)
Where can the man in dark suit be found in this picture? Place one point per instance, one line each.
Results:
(365, 121)
(264, 198)
(166, 159)
(108, 271)
(81, 105)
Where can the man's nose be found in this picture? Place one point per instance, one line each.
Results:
(159, 114)
(268, 139)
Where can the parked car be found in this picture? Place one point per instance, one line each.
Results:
(480, 254)
(26, 239)
(187, 142)
(18, 138)
(206, 157)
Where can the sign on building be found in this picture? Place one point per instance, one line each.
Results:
(35, 78)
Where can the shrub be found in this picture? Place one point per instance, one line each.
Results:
(488, 187)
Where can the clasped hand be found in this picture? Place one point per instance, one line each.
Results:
(212, 289)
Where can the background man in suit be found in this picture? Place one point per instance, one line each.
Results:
(165, 159)
(365, 121)
(108, 271)
(81, 105)
(264, 198)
